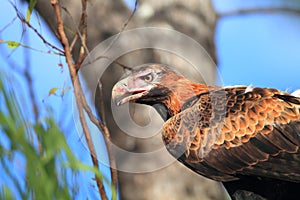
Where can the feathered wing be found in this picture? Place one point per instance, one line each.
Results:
(225, 134)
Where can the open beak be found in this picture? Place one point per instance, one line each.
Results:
(124, 92)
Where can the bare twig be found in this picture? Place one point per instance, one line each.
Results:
(8, 25)
(24, 21)
(124, 27)
(131, 15)
(77, 89)
(102, 108)
(80, 98)
(31, 94)
(78, 29)
(88, 138)
(115, 62)
(28, 79)
(103, 128)
(101, 125)
(83, 36)
(258, 10)
(74, 42)
(123, 66)
(112, 161)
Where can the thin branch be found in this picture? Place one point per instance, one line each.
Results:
(112, 161)
(28, 79)
(80, 98)
(131, 15)
(102, 125)
(8, 24)
(103, 128)
(32, 96)
(101, 97)
(258, 10)
(77, 89)
(115, 62)
(24, 21)
(74, 42)
(78, 28)
(124, 27)
(83, 36)
(88, 138)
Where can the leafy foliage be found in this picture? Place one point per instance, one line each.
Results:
(38, 150)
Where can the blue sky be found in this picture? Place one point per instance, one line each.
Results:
(257, 49)
(46, 74)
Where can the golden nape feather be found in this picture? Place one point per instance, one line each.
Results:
(225, 134)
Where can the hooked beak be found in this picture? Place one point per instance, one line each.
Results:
(122, 93)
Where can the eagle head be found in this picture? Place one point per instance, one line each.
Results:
(146, 84)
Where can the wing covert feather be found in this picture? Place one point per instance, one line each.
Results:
(238, 133)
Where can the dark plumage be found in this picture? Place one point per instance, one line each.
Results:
(247, 138)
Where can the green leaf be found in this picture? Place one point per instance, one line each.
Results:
(6, 193)
(47, 171)
(52, 91)
(13, 44)
(31, 5)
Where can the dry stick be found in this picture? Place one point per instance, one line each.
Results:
(28, 79)
(131, 15)
(73, 42)
(23, 20)
(103, 127)
(123, 28)
(83, 37)
(78, 32)
(27, 75)
(74, 78)
(88, 137)
(259, 10)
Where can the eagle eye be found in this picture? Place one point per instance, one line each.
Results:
(148, 78)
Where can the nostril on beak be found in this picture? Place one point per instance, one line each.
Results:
(124, 85)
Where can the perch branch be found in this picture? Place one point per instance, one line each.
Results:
(75, 82)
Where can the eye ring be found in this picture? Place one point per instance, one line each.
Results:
(148, 78)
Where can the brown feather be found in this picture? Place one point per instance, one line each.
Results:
(222, 133)
(241, 133)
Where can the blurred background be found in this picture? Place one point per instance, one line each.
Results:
(251, 43)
